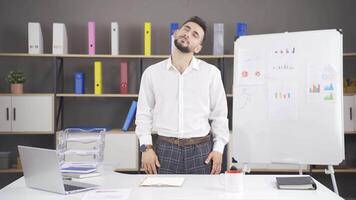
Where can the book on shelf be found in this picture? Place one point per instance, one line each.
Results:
(147, 39)
(98, 77)
(35, 38)
(296, 183)
(173, 28)
(60, 40)
(114, 38)
(123, 77)
(91, 38)
(218, 45)
(79, 86)
(130, 116)
(241, 29)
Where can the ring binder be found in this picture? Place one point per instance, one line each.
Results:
(91, 38)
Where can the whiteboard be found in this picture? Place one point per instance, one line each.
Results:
(288, 98)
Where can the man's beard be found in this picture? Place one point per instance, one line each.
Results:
(181, 48)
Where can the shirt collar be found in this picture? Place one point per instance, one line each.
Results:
(194, 63)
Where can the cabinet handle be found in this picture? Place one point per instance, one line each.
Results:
(7, 114)
(350, 113)
(14, 109)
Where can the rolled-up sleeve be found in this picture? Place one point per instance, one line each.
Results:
(145, 106)
(218, 113)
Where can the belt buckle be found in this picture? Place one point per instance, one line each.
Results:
(181, 141)
(176, 141)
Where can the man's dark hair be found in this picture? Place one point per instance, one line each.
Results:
(198, 21)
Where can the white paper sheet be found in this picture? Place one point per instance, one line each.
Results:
(321, 84)
(251, 69)
(283, 105)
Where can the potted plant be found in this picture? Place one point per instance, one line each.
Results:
(16, 79)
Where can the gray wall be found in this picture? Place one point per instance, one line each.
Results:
(262, 16)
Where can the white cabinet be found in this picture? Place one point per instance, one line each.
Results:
(27, 113)
(5, 114)
(121, 151)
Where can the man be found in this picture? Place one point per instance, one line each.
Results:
(179, 96)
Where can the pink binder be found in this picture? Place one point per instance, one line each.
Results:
(91, 38)
(124, 78)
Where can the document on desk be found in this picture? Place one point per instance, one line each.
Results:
(162, 181)
(107, 194)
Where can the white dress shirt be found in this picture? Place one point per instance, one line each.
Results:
(181, 105)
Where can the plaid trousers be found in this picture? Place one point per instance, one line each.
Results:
(188, 159)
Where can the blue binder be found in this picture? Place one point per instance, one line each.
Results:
(174, 27)
(130, 116)
(79, 83)
(241, 29)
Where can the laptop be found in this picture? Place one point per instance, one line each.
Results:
(42, 171)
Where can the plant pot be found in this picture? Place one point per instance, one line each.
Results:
(17, 88)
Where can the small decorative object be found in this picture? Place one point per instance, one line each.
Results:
(16, 79)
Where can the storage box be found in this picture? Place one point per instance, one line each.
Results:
(4, 160)
(350, 85)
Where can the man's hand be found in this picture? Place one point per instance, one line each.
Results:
(216, 157)
(150, 161)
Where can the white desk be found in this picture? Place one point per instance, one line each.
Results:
(195, 187)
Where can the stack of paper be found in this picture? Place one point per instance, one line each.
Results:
(79, 172)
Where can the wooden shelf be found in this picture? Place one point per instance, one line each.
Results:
(349, 93)
(349, 54)
(97, 95)
(120, 56)
(350, 133)
(346, 170)
(119, 131)
(25, 55)
(26, 94)
(106, 95)
(11, 170)
(104, 56)
(26, 133)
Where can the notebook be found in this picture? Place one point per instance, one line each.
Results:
(163, 181)
(79, 170)
(296, 183)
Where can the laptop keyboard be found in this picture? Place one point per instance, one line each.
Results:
(72, 187)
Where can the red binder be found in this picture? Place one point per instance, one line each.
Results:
(124, 77)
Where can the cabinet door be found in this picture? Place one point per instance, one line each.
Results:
(5, 114)
(349, 113)
(32, 113)
(121, 151)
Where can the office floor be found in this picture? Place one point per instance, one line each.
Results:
(7, 178)
(345, 182)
